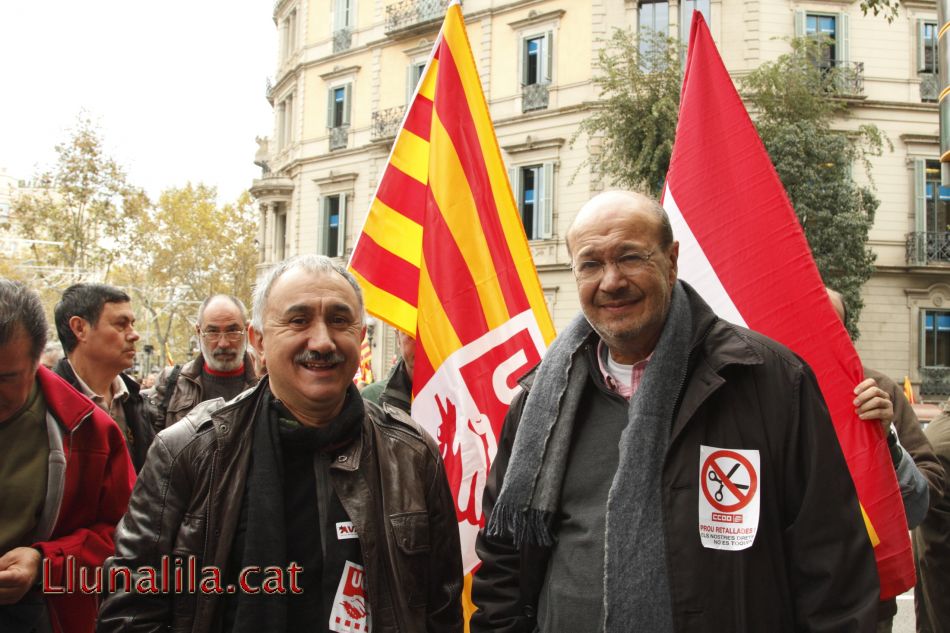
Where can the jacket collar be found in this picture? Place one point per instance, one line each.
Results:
(65, 370)
(721, 340)
(234, 421)
(398, 385)
(63, 400)
(716, 344)
(192, 369)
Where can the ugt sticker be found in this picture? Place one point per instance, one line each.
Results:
(350, 613)
(729, 497)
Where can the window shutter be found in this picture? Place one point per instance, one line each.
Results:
(843, 38)
(920, 195)
(325, 225)
(547, 58)
(346, 103)
(289, 135)
(523, 60)
(546, 200)
(410, 84)
(799, 23)
(330, 121)
(338, 17)
(341, 227)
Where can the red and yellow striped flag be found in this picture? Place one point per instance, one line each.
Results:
(443, 256)
(909, 391)
(366, 361)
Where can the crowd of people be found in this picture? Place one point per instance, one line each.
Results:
(660, 470)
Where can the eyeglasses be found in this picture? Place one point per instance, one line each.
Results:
(628, 264)
(231, 335)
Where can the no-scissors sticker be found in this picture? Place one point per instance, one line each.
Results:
(729, 499)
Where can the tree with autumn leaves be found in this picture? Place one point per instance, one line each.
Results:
(84, 221)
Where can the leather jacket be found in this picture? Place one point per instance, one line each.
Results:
(186, 393)
(187, 502)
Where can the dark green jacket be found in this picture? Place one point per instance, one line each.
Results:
(395, 389)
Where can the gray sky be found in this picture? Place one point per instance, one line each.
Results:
(176, 86)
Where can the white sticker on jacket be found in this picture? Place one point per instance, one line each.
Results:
(345, 530)
(728, 497)
(350, 613)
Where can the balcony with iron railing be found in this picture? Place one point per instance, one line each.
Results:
(269, 90)
(534, 97)
(407, 16)
(339, 136)
(386, 123)
(929, 87)
(846, 78)
(928, 248)
(342, 40)
(935, 381)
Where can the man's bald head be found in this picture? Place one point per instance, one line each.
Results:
(612, 202)
(837, 302)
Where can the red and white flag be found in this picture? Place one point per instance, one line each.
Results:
(743, 250)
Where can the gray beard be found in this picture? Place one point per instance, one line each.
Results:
(221, 364)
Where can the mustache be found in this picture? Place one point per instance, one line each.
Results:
(312, 356)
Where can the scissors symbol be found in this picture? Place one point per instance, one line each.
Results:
(715, 478)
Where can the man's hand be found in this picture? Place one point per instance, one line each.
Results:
(873, 403)
(19, 569)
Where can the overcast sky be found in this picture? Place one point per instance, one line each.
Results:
(176, 86)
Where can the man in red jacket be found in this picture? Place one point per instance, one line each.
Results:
(65, 481)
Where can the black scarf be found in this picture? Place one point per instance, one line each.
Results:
(265, 541)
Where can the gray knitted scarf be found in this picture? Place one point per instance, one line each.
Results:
(636, 585)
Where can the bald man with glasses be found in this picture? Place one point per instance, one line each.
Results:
(223, 370)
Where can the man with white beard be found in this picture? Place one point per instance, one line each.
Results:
(222, 371)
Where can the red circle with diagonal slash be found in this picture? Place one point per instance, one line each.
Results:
(710, 465)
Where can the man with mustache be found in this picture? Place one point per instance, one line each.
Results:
(665, 470)
(223, 370)
(96, 326)
(321, 512)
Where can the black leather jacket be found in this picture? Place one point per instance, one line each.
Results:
(391, 483)
(186, 392)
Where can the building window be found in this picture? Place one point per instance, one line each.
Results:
(686, 16)
(927, 61)
(536, 55)
(830, 30)
(288, 34)
(929, 240)
(339, 107)
(927, 47)
(536, 65)
(285, 122)
(338, 115)
(334, 223)
(936, 338)
(936, 219)
(342, 14)
(413, 76)
(654, 22)
(280, 233)
(342, 25)
(823, 28)
(534, 188)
